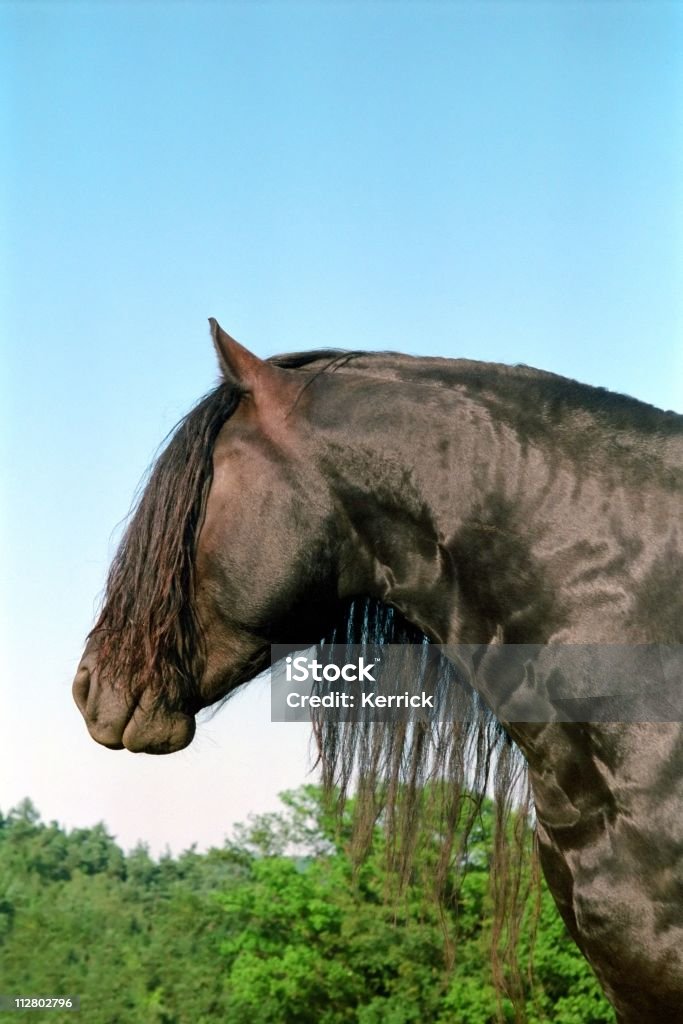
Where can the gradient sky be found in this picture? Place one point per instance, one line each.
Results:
(497, 181)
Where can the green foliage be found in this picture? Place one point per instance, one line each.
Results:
(276, 927)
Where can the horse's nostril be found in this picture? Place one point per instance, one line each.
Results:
(81, 687)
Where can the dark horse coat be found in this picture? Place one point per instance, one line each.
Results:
(491, 506)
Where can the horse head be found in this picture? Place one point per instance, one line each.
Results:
(233, 546)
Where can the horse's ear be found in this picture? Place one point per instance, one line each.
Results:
(272, 390)
(238, 365)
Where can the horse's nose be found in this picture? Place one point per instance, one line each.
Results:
(81, 687)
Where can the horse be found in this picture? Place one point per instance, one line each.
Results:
(500, 507)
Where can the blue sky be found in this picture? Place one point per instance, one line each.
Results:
(497, 181)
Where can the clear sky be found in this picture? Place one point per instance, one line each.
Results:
(498, 181)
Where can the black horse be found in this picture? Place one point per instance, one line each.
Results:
(500, 507)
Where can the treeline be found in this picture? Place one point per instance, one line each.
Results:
(275, 927)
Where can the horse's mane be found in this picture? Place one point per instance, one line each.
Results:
(147, 629)
(420, 780)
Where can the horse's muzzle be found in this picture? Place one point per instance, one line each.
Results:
(117, 723)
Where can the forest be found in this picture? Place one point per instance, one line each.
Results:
(279, 926)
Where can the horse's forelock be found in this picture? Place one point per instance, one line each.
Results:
(147, 632)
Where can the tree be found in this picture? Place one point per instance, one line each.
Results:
(279, 926)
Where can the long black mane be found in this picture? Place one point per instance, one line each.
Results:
(406, 775)
(147, 629)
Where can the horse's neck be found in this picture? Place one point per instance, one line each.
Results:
(473, 502)
(435, 492)
(476, 533)
(400, 461)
